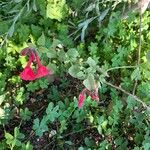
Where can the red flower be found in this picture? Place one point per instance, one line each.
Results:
(81, 99)
(94, 97)
(92, 94)
(29, 52)
(41, 70)
(25, 51)
(28, 73)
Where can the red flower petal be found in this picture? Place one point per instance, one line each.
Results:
(27, 74)
(81, 99)
(42, 71)
(25, 51)
(94, 95)
(29, 52)
(38, 60)
(32, 56)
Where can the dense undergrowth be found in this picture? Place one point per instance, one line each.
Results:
(87, 44)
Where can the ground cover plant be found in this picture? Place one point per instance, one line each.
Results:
(74, 74)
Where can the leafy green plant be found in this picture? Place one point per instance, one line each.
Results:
(91, 45)
(14, 141)
(25, 114)
(56, 9)
(51, 115)
(38, 84)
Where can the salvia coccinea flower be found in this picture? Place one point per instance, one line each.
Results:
(81, 98)
(28, 73)
(28, 52)
(93, 94)
(41, 70)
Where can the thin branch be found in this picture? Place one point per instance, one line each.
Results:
(139, 53)
(122, 67)
(127, 93)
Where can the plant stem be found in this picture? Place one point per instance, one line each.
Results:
(127, 93)
(122, 67)
(139, 53)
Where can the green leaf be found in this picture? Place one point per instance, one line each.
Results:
(99, 128)
(25, 114)
(104, 124)
(52, 113)
(81, 148)
(36, 30)
(130, 102)
(73, 70)
(3, 27)
(26, 146)
(136, 148)
(9, 138)
(148, 56)
(40, 127)
(11, 30)
(34, 6)
(84, 25)
(56, 9)
(14, 140)
(91, 62)
(17, 134)
(103, 145)
(2, 98)
(90, 83)
(49, 108)
(18, 143)
(23, 33)
(69, 143)
(41, 40)
(72, 53)
(146, 146)
(55, 43)
(61, 55)
(51, 53)
(36, 123)
(138, 138)
(63, 126)
(81, 75)
(88, 142)
(103, 15)
(93, 48)
(136, 74)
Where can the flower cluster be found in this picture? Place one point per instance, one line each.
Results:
(93, 94)
(28, 73)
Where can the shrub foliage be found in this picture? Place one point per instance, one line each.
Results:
(100, 47)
